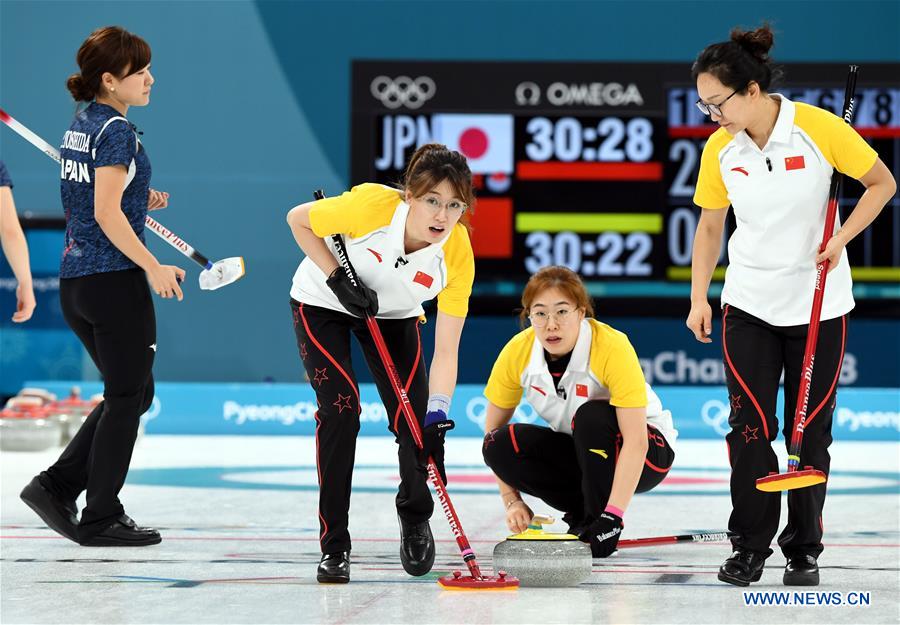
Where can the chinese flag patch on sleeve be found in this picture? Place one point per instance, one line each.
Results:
(794, 162)
(424, 279)
(581, 390)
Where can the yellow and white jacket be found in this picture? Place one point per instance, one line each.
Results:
(603, 366)
(372, 218)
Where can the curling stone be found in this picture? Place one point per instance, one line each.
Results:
(42, 393)
(28, 430)
(72, 412)
(541, 558)
(24, 403)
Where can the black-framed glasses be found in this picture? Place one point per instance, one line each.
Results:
(714, 109)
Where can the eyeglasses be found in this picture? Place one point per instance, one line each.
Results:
(714, 109)
(455, 208)
(540, 318)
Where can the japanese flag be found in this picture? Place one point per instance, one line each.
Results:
(485, 140)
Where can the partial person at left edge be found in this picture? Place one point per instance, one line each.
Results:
(104, 294)
(15, 248)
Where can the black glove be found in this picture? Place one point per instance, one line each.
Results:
(436, 426)
(358, 300)
(603, 534)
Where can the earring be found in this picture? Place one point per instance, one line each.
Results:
(113, 89)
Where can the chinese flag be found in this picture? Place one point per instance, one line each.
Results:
(424, 279)
(581, 390)
(794, 162)
(493, 228)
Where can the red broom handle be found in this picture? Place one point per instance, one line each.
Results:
(700, 537)
(812, 335)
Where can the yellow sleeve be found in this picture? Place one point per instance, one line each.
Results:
(504, 387)
(710, 191)
(362, 209)
(460, 261)
(842, 146)
(616, 365)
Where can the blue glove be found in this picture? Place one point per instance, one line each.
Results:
(434, 429)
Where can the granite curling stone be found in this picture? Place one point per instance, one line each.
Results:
(541, 558)
(29, 429)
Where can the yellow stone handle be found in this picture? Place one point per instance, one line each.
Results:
(539, 520)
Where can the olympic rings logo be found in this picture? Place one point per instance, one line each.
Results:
(403, 91)
(476, 410)
(715, 414)
(528, 93)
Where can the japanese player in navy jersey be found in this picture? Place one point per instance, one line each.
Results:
(104, 292)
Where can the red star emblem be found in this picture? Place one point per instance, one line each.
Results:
(488, 439)
(320, 376)
(735, 402)
(343, 401)
(750, 434)
(303, 352)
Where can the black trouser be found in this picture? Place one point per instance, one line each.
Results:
(323, 337)
(573, 473)
(755, 354)
(112, 314)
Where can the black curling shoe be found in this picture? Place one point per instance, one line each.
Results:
(124, 532)
(801, 571)
(334, 568)
(742, 568)
(60, 516)
(416, 547)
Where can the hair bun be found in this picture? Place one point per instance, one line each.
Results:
(757, 42)
(79, 88)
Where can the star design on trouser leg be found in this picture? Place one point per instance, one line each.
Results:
(320, 376)
(750, 434)
(303, 352)
(735, 402)
(343, 401)
(488, 439)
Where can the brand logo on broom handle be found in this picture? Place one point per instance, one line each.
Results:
(703, 538)
(169, 236)
(848, 115)
(807, 375)
(445, 503)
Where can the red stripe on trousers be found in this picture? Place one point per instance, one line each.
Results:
(319, 475)
(512, 437)
(837, 372)
(329, 357)
(737, 376)
(652, 433)
(656, 468)
(411, 374)
(318, 421)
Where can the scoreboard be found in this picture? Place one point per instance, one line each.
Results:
(593, 165)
